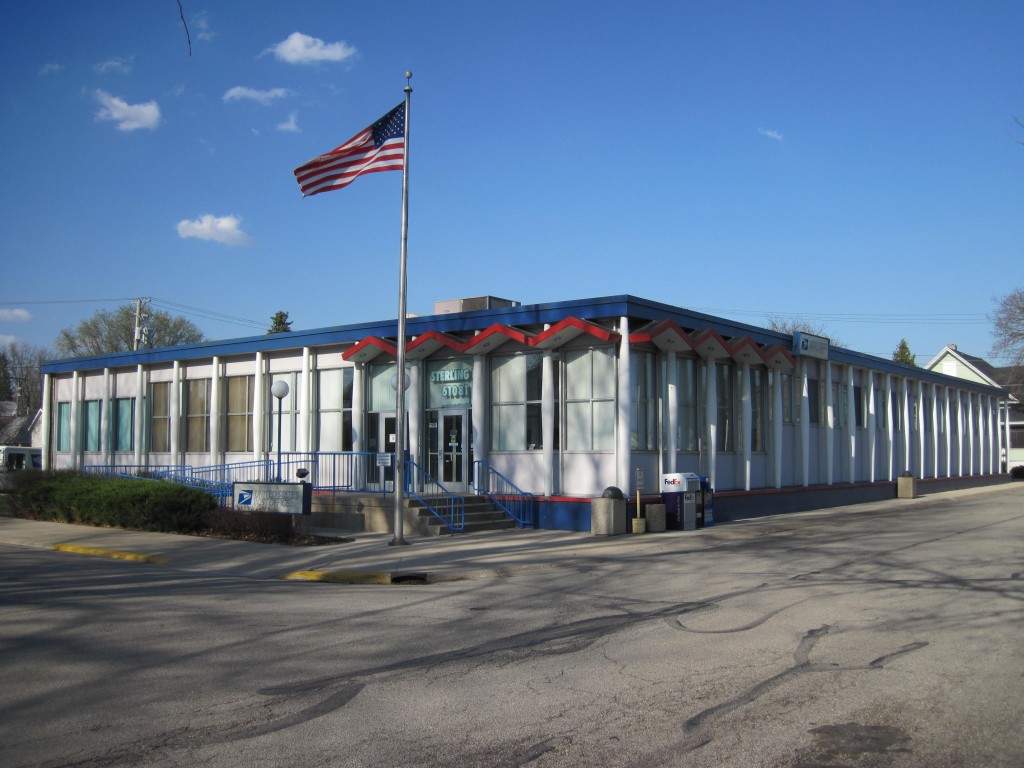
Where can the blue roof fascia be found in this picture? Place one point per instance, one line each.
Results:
(604, 307)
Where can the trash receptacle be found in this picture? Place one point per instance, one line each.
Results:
(707, 503)
(608, 513)
(679, 491)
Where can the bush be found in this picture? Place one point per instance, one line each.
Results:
(1017, 473)
(147, 505)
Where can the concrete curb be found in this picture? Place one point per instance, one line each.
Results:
(111, 553)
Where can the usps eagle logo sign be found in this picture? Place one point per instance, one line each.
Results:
(245, 497)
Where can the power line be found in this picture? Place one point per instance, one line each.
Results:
(166, 303)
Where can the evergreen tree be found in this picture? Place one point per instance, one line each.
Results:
(902, 354)
(280, 323)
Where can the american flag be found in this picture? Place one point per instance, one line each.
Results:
(381, 147)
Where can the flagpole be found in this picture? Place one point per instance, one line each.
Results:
(401, 380)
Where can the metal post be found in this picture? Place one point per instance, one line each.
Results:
(400, 389)
(280, 391)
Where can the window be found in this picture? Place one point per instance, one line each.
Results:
(197, 415)
(516, 387)
(590, 400)
(814, 401)
(787, 398)
(123, 426)
(859, 409)
(239, 413)
(757, 409)
(334, 408)
(63, 436)
(645, 405)
(288, 410)
(839, 393)
(90, 437)
(160, 417)
(725, 379)
(689, 404)
(881, 409)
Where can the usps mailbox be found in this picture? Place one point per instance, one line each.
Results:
(679, 492)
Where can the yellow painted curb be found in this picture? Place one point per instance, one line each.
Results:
(339, 577)
(113, 553)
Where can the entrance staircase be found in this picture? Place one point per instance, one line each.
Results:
(481, 515)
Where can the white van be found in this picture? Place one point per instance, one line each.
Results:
(17, 457)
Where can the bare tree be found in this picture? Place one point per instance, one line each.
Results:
(23, 367)
(1008, 327)
(107, 332)
(790, 325)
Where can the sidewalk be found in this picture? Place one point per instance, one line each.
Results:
(370, 559)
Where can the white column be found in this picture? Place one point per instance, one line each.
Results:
(259, 430)
(993, 433)
(851, 424)
(414, 410)
(711, 418)
(805, 426)
(1006, 433)
(746, 417)
(216, 447)
(949, 434)
(908, 427)
(174, 412)
(303, 441)
(47, 421)
(777, 426)
(480, 399)
(935, 430)
(961, 430)
(830, 426)
(76, 448)
(672, 412)
(970, 434)
(547, 419)
(138, 426)
(105, 419)
(872, 427)
(921, 464)
(890, 439)
(624, 412)
(358, 407)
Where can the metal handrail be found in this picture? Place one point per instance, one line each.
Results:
(518, 504)
(442, 503)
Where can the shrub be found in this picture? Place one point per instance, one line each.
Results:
(147, 505)
(1017, 473)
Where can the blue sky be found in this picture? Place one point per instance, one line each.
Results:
(855, 164)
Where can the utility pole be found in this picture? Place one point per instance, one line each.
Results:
(140, 318)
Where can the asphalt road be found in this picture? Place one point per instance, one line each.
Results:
(892, 637)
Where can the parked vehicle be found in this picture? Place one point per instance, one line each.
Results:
(14, 458)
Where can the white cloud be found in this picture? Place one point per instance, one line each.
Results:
(116, 64)
(201, 25)
(298, 48)
(240, 93)
(220, 229)
(50, 68)
(770, 134)
(15, 315)
(291, 125)
(129, 117)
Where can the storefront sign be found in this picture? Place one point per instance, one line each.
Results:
(286, 498)
(810, 346)
(451, 384)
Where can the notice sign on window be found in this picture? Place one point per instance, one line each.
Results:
(285, 498)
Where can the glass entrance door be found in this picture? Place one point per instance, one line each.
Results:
(380, 438)
(451, 449)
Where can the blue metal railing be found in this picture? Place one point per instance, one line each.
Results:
(442, 503)
(518, 504)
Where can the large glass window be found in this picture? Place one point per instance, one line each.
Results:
(814, 404)
(725, 377)
(590, 399)
(160, 417)
(239, 413)
(859, 406)
(757, 409)
(334, 409)
(787, 399)
(516, 386)
(63, 436)
(197, 415)
(644, 382)
(90, 436)
(689, 404)
(288, 410)
(123, 426)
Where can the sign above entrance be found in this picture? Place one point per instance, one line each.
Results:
(451, 383)
(810, 346)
